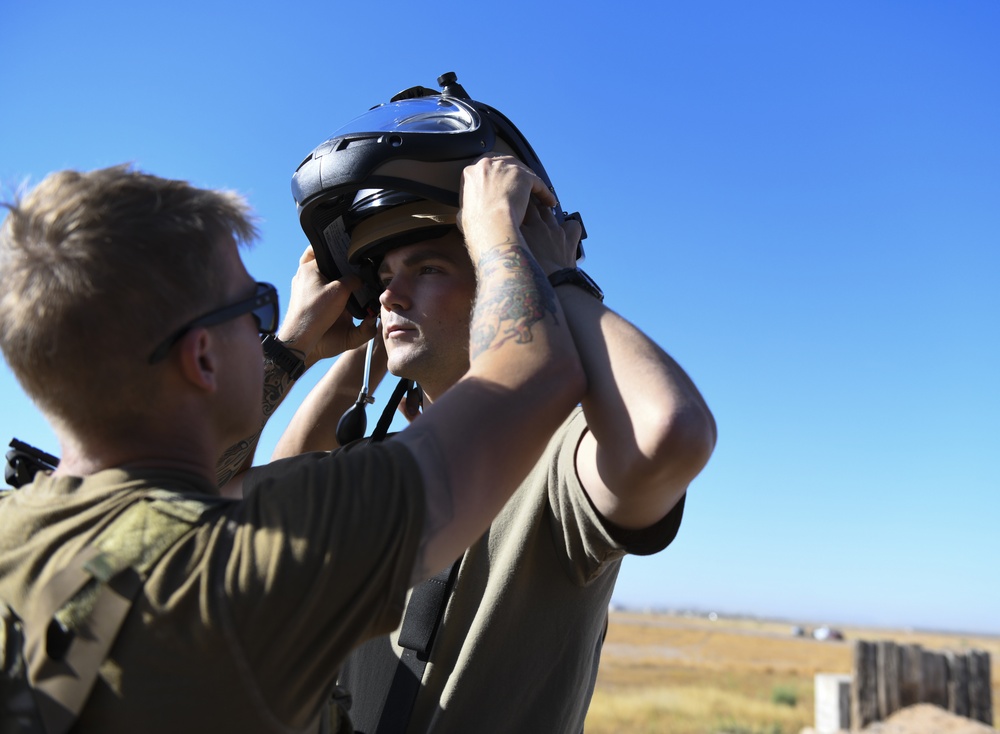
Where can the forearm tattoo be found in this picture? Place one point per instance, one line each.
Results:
(276, 384)
(507, 308)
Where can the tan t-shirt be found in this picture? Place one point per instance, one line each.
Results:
(242, 623)
(520, 641)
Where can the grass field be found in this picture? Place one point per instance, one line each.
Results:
(693, 675)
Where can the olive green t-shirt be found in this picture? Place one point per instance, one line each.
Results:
(243, 621)
(519, 645)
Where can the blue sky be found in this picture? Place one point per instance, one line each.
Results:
(799, 201)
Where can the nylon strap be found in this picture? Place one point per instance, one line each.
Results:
(384, 687)
(416, 637)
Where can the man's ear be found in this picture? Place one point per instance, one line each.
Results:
(199, 359)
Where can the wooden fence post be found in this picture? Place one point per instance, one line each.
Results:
(887, 659)
(958, 683)
(980, 695)
(864, 692)
(935, 679)
(911, 675)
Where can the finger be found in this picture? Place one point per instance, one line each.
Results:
(350, 281)
(409, 406)
(363, 333)
(539, 189)
(573, 230)
(547, 215)
(534, 212)
(307, 255)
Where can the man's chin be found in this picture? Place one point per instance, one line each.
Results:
(401, 363)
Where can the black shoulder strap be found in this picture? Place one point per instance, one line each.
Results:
(382, 427)
(383, 687)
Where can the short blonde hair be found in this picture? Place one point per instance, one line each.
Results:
(95, 269)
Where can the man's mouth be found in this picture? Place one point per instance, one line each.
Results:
(397, 330)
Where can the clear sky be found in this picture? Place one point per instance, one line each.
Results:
(799, 200)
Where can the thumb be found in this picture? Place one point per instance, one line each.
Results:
(308, 255)
(361, 334)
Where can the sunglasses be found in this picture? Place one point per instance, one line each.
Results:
(263, 306)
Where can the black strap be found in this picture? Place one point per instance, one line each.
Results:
(383, 687)
(402, 387)
(416, 637)
(423, 612)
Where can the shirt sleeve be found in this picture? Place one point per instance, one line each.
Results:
(322, 551)
(589, 541)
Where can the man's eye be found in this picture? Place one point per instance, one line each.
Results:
(429, 269)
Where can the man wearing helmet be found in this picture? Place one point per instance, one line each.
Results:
(515, 641)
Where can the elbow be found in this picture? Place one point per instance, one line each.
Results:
(682, 443)
(570, 380)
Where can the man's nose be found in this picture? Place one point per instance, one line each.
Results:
(395, 295)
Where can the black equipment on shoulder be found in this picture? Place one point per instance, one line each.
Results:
(23, 462)
(406, 154)
(381, 701)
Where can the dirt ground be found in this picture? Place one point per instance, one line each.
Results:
(690, 674)
(924, 719)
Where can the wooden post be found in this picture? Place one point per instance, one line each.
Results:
(911, 675)
(958, 683)
(935, 679)
(864, 692)
(887, 657)
(980, 695)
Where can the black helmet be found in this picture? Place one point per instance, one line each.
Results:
(404, 157)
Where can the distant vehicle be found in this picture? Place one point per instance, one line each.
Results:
(827, 633)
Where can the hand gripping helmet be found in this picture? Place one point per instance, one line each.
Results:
(402, 160)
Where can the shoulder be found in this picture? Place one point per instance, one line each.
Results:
(375, 464)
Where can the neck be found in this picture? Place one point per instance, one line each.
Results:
(83, 457)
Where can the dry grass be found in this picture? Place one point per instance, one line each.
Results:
(690, 675)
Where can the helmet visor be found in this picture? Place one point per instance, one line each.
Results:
(424, 115)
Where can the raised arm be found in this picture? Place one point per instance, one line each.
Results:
(650, 431)
(315, 327)
(314, 425)
(478, 441)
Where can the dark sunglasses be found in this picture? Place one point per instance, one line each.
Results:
(263, 306)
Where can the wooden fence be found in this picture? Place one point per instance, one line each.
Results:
(887, 677)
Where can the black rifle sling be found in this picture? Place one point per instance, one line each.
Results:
(384, 687)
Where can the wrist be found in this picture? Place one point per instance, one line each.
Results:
(289, 360)
(577, 278)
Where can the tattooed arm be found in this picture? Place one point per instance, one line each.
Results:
(478, 441)
(314, 425)
(238, 457)
(315, 327)
(650, 431)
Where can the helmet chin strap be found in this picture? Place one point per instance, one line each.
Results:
(354, 422)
